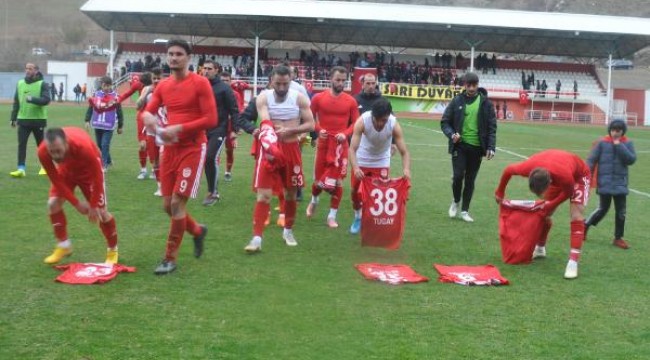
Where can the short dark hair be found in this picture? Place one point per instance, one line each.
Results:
(225, 74)
(53, 133)
(214, 63)
(617, 125)
(145, 79)
(281, 70)
(106, 80)
(364, 76)
(182, 43)
(538, 180)
(381, 108)
(470, 78)
(156, 71)
(338, 69)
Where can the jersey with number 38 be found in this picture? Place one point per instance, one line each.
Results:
(384, 211)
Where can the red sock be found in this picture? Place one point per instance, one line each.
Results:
(142, 155)
(337, 194)
(156, 172)
(577, 234)
(175, 238)
(281, 201)
(191, 226)
(260, 214)
(110, 232)
(289, 213)
(315, 190)
(230, 159)
(545, 231)
(60, 226)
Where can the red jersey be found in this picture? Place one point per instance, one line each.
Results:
(80, 163)
(522, 224)
(332, 163)
(90, 273)
(189, 102)
(391, 274)
(384, 211)
(470, 275)
(240, 101)
(335, 114)
(238, 88)
(566, 169)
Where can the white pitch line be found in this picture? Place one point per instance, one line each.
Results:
(640, 193)
(512, 153)
(517, 155)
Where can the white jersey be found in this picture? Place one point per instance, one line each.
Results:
(299, 87)
(374, 149)
(286, 110)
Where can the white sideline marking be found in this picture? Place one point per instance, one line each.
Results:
(512, 153)
(515, 155)
(640, 193)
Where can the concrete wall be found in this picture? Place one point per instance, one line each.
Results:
(647, 108)
(8, 82)
(636, 102)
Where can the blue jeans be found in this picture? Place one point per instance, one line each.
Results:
(103, 138)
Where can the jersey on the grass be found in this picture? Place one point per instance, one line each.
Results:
(391, 274)
(383, 211)
(90, 273)
(521, 225)
(470, 275)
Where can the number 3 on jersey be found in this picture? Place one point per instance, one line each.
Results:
(384, 202)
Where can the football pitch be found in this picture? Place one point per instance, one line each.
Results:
(309, 302)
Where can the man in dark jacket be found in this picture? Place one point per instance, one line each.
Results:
(228, 117)
(29, 113)
(470, 124)
(369, 93)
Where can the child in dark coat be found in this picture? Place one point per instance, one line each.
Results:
(609, 161)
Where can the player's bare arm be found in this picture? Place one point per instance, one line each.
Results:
(398, 136)
(307, 122)
(141, 102)
(262, 107)
(354, 146)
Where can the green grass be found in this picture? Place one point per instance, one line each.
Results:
(309, 302)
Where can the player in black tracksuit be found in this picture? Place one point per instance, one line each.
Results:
(228, 112)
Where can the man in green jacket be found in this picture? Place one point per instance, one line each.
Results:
(29, 113)
(470, 124)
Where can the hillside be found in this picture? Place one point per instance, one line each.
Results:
(64, 30)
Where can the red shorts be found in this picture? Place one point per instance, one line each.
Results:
(181, 169)
(142, 136)
(580, 194)
(86, 186)
(289, 175)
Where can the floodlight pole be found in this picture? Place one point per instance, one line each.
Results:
(111, 58)
(609, 88)
(471, 60)
(257, 48)
(471, 56)
(257, 33)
